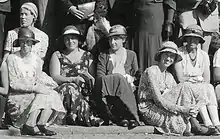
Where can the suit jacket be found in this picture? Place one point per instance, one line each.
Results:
(5, 6)
(105, 66)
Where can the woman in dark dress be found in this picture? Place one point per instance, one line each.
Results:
(150, 15)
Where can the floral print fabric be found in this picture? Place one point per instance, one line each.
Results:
(76, 96)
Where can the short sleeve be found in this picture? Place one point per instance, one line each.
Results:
(11, 37)
(216, 59)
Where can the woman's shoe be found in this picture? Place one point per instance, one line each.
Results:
(132, 124)
(124, 123)
(46, 131)
(28, 130)
(188, 134)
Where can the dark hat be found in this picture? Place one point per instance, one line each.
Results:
(168, 46)
(25, 33)
(117, 30)
(194, 31)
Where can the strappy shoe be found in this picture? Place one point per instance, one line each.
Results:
(29, 130)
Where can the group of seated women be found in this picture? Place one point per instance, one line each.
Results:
(87, 92)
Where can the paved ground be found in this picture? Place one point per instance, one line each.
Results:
(104, 132)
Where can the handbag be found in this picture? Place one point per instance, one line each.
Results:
(86, 8)
(206, 7)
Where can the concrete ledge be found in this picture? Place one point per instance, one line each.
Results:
(72, 130)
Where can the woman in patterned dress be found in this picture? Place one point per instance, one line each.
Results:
(72, 69)
(161, 102)
(194, 70)
(28, 97)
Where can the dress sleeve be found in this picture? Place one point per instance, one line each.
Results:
(9, 41)
(44, 46)
(216, 59)
(101, 65)
(153, 87)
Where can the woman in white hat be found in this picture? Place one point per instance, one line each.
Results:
(72, 68)
(28, 17)
(161, 102)
(194, 70)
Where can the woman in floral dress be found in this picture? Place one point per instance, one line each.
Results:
(72, 69)
(161, 102)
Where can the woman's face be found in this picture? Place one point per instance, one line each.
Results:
(71, 41)
(26, 18)
(26, 46)
(192, 42)
(116, 42)
(167, 58)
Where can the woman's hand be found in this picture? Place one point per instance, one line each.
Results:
(79, 14)
(189, 111)
(76, 79)
(91, 17)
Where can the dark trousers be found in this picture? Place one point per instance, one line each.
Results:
(2, 107)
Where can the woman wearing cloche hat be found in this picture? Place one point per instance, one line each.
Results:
(194, 70)
(161, 101)
(116, 69)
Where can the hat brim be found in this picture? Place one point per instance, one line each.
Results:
(177, 59)
(81, 37)
(110, 35)
(202, 40)
(16, 42)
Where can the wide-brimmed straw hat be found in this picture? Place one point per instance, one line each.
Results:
(168, 46)
(194, 31)
(117, 30)
(72, 30)
(25, 33)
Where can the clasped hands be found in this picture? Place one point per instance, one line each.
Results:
(79, 14)
(190, 111)
(195, 79)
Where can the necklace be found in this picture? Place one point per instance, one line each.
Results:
(192, 59)
(162, 82)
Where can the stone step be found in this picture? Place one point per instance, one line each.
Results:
(73, 130)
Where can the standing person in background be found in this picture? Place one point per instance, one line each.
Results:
(150, 17)
(117, 12)
(5, 7)
(201, 12)
(73, 16)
